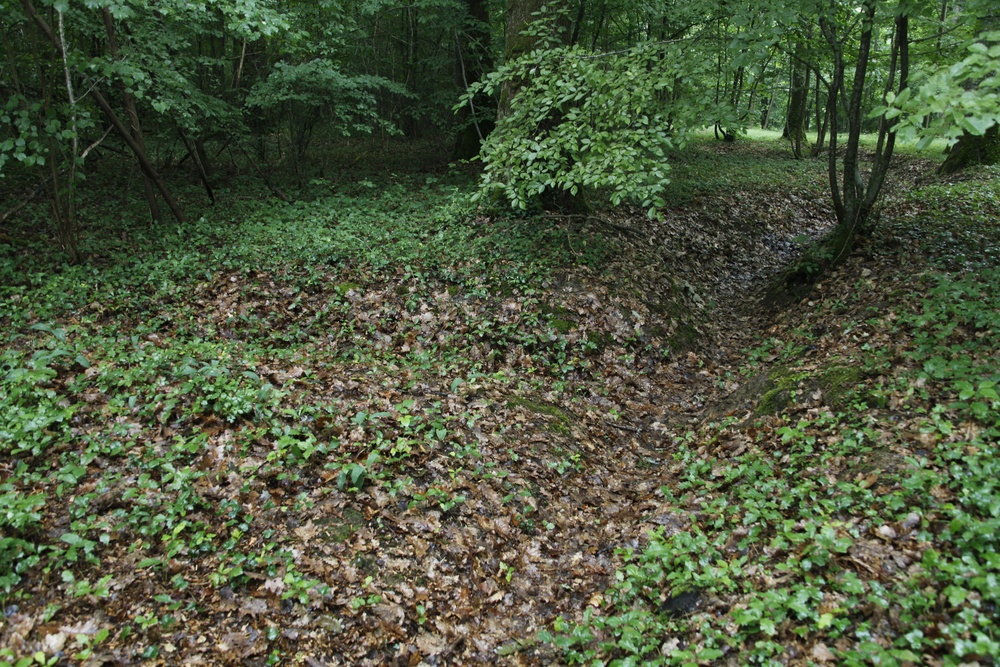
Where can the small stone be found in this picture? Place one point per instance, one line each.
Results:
(887, 532)
(911, 521)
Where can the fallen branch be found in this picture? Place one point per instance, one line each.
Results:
(602, 221)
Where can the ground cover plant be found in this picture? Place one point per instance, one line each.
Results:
(381, 424)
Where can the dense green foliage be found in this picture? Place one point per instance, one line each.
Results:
(400, 352)
(589, 100)
(787, 531)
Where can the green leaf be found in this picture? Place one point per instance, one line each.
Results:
(979, 126)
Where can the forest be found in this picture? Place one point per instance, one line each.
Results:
(433, 332)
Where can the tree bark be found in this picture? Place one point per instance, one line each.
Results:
(140, 155)
(972, 150)
(821, 118)
(854, 197)
(521, 13)
(798, 96)
(120, 128)
(473, 58)
(136, 129)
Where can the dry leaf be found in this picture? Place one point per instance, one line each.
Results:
(431, 644)
(821, 653)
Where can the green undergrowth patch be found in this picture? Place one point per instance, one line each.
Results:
(172, 405)
(860, 533)
(952, 223)
(784, 385)
(561, 421)
(709, 168)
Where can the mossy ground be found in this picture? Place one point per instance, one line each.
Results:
(784, 385)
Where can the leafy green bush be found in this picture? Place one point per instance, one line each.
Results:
(34, 415)
(582, 123)
(18, 513)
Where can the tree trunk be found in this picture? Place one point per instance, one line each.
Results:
(521, 13)
(854, 197)
(120, 128)
(135, 128)
(473, 58)
(972, 150)
(821, 119)
(798, 96)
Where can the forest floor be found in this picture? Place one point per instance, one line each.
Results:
(381, 426)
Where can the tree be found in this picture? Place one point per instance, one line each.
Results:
(473, 59)
(958, 99)
(855, 191)
(798, 96)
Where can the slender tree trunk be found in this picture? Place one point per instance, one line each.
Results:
(854, 197)
(120, 128)
(821, 117)
(140, 154)
(473, 58)
(135, 128)
(199, 165)
(61, 193)
(798, 96)
(766, 118)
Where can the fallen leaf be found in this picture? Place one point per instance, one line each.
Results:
(822, 654)
(431, 644)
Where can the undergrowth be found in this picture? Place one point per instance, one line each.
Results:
(866, 535)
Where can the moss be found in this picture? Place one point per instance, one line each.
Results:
(836, 381)
(558, 317)
(552, 311)
(340, 529)
(685, 337)
(774, 401)
(782, 383)
(343, 288)
(599, 340)
(562, 326)
(562, 421)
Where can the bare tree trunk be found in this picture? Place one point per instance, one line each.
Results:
(199, 165)
(798, 96)
(120, 128)
(136, 129)
(140, 155)
(853, 196)
(472, 60)
(61, 193)
(821, 117)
